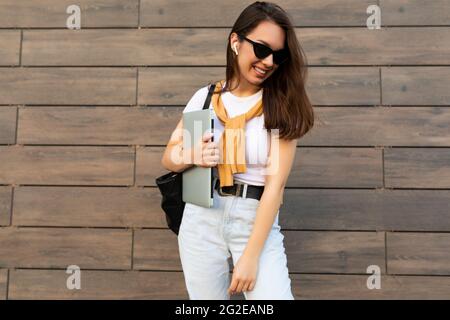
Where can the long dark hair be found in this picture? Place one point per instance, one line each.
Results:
(285, 102)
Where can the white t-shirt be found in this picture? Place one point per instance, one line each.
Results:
(257, 142)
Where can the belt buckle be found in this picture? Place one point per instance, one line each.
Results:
(238, 190)
(224, 194)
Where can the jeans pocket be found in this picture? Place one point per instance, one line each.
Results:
(246, 211)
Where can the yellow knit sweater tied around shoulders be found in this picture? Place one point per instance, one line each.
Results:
(232, 142)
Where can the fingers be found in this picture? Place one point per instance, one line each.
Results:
(233, 285)
(207, 136)
(210, 152)
(251, 286)
(238, 286)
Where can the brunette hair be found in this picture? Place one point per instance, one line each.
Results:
(286, 105)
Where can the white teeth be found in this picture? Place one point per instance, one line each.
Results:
(259, 70)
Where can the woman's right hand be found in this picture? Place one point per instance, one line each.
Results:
(206, 153)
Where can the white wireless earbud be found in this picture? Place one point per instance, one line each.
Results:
(235, 49)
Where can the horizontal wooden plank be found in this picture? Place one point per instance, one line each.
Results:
(112, 86)
(3, 283)
(390, 126)
(156, 249)
(160, 13)
(138, 47)
(113, 125)
(52, 13)
(418, 253)
(417, 167)
(336, 167)
(344, 86)
(148, 165)
(377, 210)
(415, 85)
(5, 205)
(336, 126)
(415, 12)
(61, 247)
(313, 167)
(95, 284)
(8, 119)
(88, 207)
(326, 85)
(387, 46)
(124, 47)
(66, 165)
(307, 251)
(172, 86)
(354, 287)
(10, 48)
(334, 252)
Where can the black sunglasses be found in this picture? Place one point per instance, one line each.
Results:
(261, 51)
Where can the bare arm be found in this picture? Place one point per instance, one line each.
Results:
(272, 196)
(177, 159)
(174, 154)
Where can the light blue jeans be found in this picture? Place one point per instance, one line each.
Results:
(209, 236)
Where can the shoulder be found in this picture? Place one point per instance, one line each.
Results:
(197, 100)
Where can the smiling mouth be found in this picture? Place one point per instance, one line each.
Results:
(260, 71)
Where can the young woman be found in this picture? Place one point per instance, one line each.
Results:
(263, 96)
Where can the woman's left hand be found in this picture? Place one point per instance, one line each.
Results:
(244, 274)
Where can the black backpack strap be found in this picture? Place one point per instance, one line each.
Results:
(208, 98)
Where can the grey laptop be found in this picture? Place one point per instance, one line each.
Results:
(198, 181)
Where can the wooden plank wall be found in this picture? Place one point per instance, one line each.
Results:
(85, 115)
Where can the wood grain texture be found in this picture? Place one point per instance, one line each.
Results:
(415, 85)
(29, 284)
(178, 86)
(312, 167)
(85, 116)
(112, 86)
(8, 119)
(125, 47)
(417, 167)
(336, 126)
(10, 48)
(148, 165)
(376, 210)
(307, 251)
(336, 167)
(61, 247)
(344, 86)
(113, 125)
(160, 13)
(110, 285)
(418, 253)
(380, 126)
(326, 85)
(334, 252)
(3, 283)
(415, 12)
(66, 165)
(354, 287)
(173, 46)
(52, 13)
(387, 46)
(5, 205)
(156, 249)
(87, 207)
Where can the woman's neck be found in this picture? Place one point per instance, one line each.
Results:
(244, 89)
